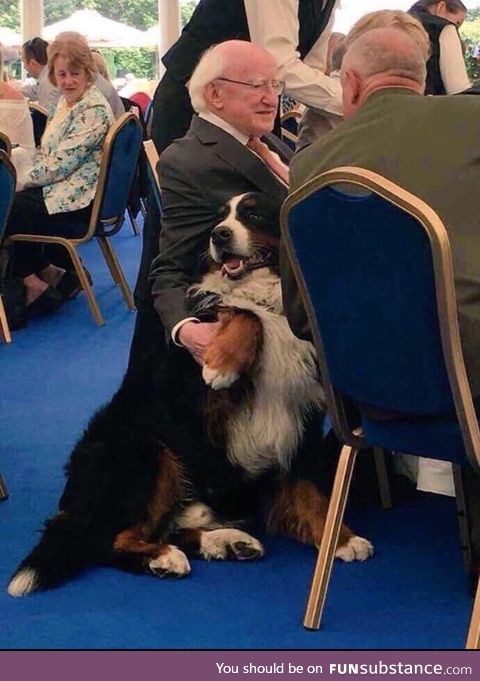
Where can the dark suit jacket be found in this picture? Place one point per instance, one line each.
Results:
(431, 147)
(198, 174)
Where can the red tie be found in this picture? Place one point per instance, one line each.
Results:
(274, 163)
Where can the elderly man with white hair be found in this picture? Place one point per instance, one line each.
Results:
(235, 90)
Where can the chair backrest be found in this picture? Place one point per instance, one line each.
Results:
(289, 127)
(117, 171)
(142, 100)
(8, 180)
(5, 144)
(375, 269)
(152, 163)
(39, 119)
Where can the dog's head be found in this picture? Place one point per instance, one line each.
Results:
(248, 235)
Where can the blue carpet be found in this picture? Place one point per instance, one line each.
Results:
(412, 594)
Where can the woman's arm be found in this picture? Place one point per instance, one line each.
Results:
(452, 63)
(85, 134)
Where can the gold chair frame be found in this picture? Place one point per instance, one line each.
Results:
(37, 107)
(153, 158)
(103, 240)
(452, 351)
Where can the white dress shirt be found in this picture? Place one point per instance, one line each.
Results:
(273, 24)
(452, 62)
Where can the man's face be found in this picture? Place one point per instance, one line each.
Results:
(250, 105)
(31, 66)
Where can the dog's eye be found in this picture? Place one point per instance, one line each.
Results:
(256, 216)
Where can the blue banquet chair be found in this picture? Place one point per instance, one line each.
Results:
(7, 191)
(8, 179)
(152, 157)
(117, 171)
(39, 119)
(374, 267)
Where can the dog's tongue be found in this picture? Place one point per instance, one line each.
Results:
(233, 262)
(232, 267)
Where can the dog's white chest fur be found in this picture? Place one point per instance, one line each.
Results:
(267, 430)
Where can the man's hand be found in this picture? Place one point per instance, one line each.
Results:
(196, 337)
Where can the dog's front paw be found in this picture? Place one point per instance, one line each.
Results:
(218, 378)
(170, 563)
(229, 543)
(356, 548)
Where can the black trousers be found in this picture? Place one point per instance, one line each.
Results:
(29, 215)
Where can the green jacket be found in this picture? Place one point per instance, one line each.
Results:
(431, 147)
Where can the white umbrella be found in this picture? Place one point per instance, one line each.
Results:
(152, 36)
(97, 29)
(10, 37)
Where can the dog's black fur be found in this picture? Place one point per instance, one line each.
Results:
(115, 467)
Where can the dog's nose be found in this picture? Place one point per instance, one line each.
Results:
(221, 235)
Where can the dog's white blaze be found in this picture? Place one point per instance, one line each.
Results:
(24, 583)
(268, 430)
(214, 544)
(195, 515)
(240, 243)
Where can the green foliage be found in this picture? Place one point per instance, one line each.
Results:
(187, 10)
(470, 34)
(141, 14)
(10, 14)
(141, 61)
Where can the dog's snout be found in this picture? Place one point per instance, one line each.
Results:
(221, 235)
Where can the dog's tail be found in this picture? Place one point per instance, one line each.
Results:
(63, 552)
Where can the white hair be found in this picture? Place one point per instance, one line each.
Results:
(387, 50)
(212, 65)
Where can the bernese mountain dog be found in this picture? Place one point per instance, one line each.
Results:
(131, 501)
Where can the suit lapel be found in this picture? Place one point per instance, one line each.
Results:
(232, 152)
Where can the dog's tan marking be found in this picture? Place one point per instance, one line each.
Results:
(234, 348)
(169, 491)
(299, 510)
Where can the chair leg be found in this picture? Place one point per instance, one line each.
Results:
(3, 489)
(92, 301)
(382, 476)
(133, 221)
(473, 636)
(112, 261)
(328, 545)
(463, 517)
(4, 328)
(108, 259)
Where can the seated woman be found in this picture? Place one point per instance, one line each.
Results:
(59, 189)
(16, 122)
(446, 70)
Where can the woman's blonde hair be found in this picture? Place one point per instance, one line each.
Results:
(101, 65)
(74, 48)
(390, 18)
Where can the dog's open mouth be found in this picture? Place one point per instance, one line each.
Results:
(233, 266)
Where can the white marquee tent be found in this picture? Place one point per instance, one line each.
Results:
(98, 30)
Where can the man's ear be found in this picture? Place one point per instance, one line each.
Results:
(351, 86)
(212, 95)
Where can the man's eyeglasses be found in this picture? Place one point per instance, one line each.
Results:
(278, 86)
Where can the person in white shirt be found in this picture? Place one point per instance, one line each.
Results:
(446, 70)
(34, 57)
